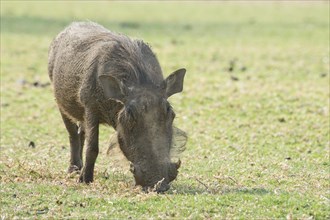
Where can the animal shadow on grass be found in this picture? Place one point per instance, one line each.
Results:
(194, 190)
(185, 188)
(244, 190)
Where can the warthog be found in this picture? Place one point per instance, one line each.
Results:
(101, 77)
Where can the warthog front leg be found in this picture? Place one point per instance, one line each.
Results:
(92, 145)
(75, 144)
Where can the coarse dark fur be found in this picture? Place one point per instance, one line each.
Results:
(104, 77)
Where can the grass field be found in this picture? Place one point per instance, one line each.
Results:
(255, 105)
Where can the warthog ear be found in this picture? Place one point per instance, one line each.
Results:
(179, 140)
(112, 87)
(174, 82)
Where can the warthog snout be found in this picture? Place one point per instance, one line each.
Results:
(141, 175)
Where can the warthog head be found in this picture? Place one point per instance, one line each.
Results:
(145, 130)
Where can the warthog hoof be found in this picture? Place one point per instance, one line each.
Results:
(84, 178)
(73, 169)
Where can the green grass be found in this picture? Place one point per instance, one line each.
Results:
(258, 135)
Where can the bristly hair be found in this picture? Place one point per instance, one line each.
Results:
(134, 61)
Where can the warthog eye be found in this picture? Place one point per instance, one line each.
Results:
(130, 116)
(169, 111)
